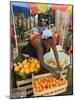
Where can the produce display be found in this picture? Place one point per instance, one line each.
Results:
(54, 63)
(44, 83)
(27, 66)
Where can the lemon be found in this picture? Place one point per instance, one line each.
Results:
(38, 66)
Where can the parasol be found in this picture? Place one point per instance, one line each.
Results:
(20, 7)
(69, 10)
(59, 7)
(34, 8)
(42, 8)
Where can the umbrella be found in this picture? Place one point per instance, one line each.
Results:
(42, 8)
(59, 7)
(34, 8)
(69, 10)
(49, 5)
(20, 7)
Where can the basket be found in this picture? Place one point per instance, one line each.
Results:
(53, 91)
(20, 58)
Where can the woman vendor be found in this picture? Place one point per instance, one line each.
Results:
(39, 45)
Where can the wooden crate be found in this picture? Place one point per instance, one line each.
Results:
(27, 84)
(64, 73)
(53, 91)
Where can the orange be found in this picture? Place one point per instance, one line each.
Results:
(29, 60)
(15, 65)
(37, 85)
(27, 71)
(24, 61)
(31, 69)
(26, 65)
(38, 66)
(35, 61)
(40, 88)
(32, 65)
(62, 82)
(54, 79)
(36, 70)
(22, 71)
(51, 85)
(20, 65)
(48, 85)
(32, 61)
(16, 68)
(56, 84)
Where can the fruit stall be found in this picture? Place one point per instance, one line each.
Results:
(30, 79)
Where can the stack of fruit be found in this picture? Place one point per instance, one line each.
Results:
(27, 66)
(54, 63)
(44, 83)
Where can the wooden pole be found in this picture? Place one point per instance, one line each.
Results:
(30, 19)
(14, 28)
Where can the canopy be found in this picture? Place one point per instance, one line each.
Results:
(20, 7)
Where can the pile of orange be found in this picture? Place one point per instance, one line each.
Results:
(44, 83)
(27, 66)
(53, 62)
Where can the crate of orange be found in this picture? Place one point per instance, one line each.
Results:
(46, 84)
(26, 67)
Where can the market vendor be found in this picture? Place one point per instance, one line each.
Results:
(39, 45)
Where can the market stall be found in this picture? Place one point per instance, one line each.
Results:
(29, 77)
